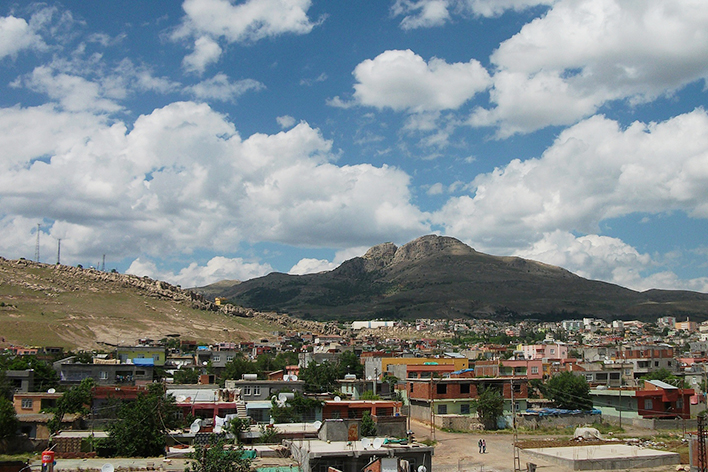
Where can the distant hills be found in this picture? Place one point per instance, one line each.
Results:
(441, 277)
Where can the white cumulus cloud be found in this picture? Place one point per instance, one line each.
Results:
(403, 81)
(17, 35)
(251, 20)
(594, 171)
(194, 275)
(582, 54)
(182, 179)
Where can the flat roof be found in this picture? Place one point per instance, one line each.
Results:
(319, 448)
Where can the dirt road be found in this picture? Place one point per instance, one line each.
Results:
(458, 452)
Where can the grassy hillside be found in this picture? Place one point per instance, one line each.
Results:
(46, 305)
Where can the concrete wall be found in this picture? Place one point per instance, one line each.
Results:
(534, 422)
(646, 423)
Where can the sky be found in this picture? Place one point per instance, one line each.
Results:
(204, 140)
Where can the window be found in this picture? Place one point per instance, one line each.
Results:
(103, 375)
(27, 403)
(588, 377)
(465, 388)
(441, 389)
(442, 409)
(247, 390)
(156, 357)
(534, 369)
(669, 363)
(229, 358)
(648, 404)
(465, 409)
(411, 386)
(257, 390)
(656, 363)
(216, 358)
(553, 351)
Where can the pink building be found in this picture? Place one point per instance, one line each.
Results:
(544, 351)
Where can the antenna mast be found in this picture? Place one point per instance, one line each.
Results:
(58, 251)
(103, 264)
(36, 247)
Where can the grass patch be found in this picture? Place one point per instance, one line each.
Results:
(24, 457)
(428, 442)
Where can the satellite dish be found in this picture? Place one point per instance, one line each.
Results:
(317, 425)
(293, 377)
(107, 468)
(366, 443)
(53, 390)
(181, 398)
(204, 363)
(195, 427)
(274, 398)
(422, 468)
(337, 399)
(378, 442)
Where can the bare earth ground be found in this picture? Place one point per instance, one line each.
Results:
(458, 452)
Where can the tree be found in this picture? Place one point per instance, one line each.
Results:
(186, 376)
(490, 406)
(568, 391)
(140, 431)
(349, 363)
(368, 427)
(298, 408)
(665, 375)
(320, 378)
(234, 369)
(8, 419)
(218, 457)
(75, 400)
(237, 426)
(45, 376)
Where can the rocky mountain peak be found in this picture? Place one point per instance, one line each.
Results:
(380, 255)
(430, 245)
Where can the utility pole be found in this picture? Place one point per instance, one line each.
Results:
(58, 251)
(517, 458)
(103, 269)
(36, 247)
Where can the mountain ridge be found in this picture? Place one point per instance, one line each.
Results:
(441, 277)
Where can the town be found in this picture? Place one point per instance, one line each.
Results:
(312, 400)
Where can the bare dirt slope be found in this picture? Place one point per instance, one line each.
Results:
(55, 305)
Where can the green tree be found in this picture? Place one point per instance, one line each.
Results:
(234, 369)
(218, 457)
(75, 400)
(186, 376)
(489, 405)
(320, 378)
(349, 363)
(369, 395)
(140, 431)
(8, 419)
(568, 391)
(367, 427)
(299, 408)
(665, 375)
(45, 376)
(237, 426)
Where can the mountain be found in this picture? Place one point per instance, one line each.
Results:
(71, 307)
(441, 277)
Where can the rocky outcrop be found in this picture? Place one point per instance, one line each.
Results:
(430, 245)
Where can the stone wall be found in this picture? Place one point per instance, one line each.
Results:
(535, 422)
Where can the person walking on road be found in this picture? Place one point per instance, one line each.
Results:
(484, 446)
(479, 445)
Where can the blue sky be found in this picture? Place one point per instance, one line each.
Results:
(214, 139)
